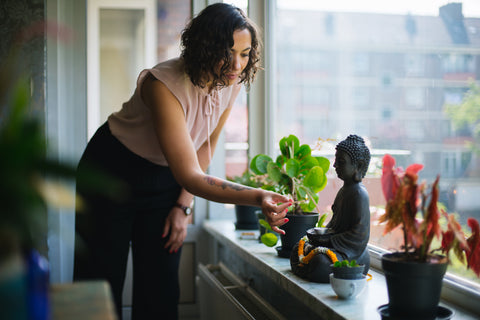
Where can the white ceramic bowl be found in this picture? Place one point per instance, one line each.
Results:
(347, 288)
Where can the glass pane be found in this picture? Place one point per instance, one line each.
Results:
(236, 137)
(122, 52)
(236, 127)
(172, 15)
(385, 70)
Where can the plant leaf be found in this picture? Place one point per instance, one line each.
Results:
(288, 145)
(321, 221)
(309, 206)
(389, 179)
(292, 167)
(308, 162)
(324, 163)
(473, 254)
(281, 159)
(430, 223)
(265, 224)
(315, 179)
(259, 163)
(303, 151)
(274, 172)
(413, 169)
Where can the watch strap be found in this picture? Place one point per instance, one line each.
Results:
(187, 210)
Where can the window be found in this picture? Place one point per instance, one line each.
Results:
(361, 63)
(414, 64)
(453, 96)
(236, 138)
(386, 82)
(236, 127)
(414, 98)
(458, 63)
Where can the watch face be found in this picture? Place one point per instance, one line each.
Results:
(188, 211)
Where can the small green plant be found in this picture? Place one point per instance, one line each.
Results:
(321, 221)
(269, 238)
(295, 172)
(346, 263)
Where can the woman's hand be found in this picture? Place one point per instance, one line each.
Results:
(175, 225)
(273, 211)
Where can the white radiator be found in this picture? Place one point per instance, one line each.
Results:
(224, 296)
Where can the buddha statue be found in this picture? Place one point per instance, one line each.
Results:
(347, 233)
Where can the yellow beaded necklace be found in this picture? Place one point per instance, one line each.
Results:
(306, 259)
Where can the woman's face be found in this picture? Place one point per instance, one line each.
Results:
(242, 43)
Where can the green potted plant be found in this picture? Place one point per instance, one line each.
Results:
(414, 274)
(296, 173)
(347, 278)
(246, 216)
(348, 269)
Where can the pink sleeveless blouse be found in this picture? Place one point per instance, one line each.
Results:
(133, 125)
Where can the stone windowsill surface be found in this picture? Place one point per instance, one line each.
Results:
(319, 297)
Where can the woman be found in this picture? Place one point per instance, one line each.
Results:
(160, 144)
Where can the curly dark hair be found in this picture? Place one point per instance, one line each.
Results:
(207, 40)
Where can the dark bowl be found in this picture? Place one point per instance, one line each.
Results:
(315, 235)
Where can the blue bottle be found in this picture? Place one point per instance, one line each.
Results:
(38, 277)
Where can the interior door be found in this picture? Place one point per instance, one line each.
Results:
(121, 42)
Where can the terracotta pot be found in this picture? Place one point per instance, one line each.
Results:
(413, 287)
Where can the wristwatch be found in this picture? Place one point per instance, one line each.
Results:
(186, 210)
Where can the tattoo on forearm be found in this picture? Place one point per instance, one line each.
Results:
(225, 184)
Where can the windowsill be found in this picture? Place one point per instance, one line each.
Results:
(320, 298)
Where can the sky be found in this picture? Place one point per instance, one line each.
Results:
(471, 8)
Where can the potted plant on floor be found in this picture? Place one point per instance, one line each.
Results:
(246, 216)
(414, 275)
(297, 173)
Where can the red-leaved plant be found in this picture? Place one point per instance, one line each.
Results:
(414, 206)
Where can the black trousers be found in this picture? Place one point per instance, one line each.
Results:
(106, 226)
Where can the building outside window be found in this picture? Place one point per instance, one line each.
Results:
(390, 75)
(383, 74)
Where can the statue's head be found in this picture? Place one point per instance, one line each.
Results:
(358, 152)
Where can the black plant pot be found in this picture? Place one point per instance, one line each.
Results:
(413, 287)
(246, 217)
(295, 229)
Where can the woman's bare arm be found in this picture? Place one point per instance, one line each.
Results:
(181, 155)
